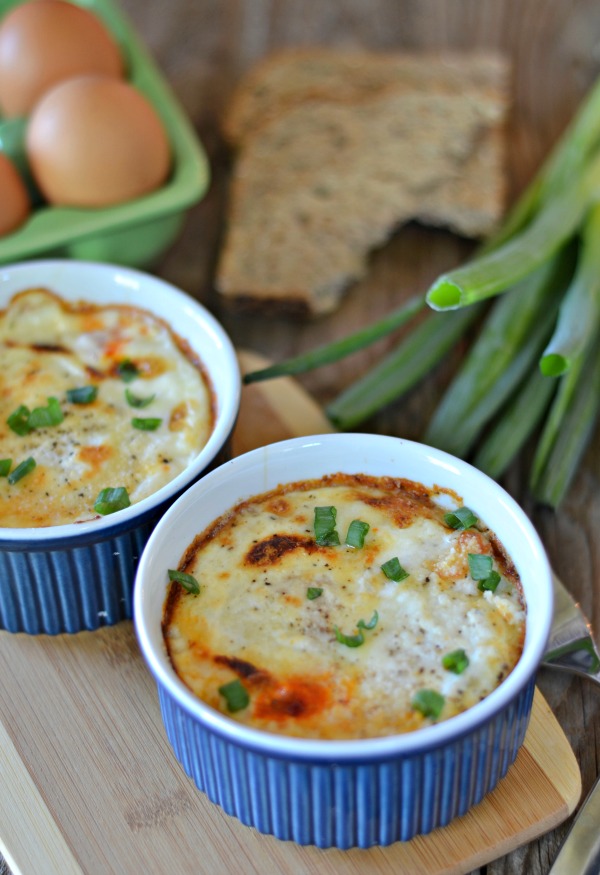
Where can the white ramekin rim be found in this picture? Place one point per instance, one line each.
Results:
(99, 282)
(149, 591)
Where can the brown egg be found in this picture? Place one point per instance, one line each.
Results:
(94, 141)
(14, 199)
(43, 42)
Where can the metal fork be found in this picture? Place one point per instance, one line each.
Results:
(572, 648)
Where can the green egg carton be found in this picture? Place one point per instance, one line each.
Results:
(135, 233)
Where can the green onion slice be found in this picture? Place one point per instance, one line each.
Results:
(235, 695)
(187, 581)
(42, 417)
(325, 533)
(127, 370)
(429, 703)
(357, 531)
(18, 420)
(456, 661)
(145, 423)
(137, 400)
(490, 583)
(21, 470)
(393, 570)
(349, 640)
(111, 499)
(460, 519)
(82, 394)
(5, 466)
(480, 565)
(371, 624)
(313, 592)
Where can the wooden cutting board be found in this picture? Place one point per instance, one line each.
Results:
(88, 782)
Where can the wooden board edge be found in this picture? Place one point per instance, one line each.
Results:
(22, 805)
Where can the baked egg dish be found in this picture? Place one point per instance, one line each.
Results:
(350, 606)
(100, 407)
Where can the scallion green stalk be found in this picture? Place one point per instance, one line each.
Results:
(579, 315)
(332, 352)
(401, 369)
(504, 266)
(508, 345)
(515, 424)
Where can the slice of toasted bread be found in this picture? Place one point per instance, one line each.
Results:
(319, 182)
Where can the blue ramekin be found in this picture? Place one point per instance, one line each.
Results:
(355, 793)
(78, 577)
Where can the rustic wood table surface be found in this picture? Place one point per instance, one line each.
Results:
(204, 45)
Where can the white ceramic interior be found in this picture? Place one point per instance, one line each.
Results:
(308, 457)
(104, 283)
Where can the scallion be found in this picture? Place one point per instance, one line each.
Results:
(371, 624)
(82, 394)
(25, 467)
(18, 421)
(127, 370)
(490, 583)
(430, 703)
(5, 466)
(460, 519)
(455, 661)
(187, 581)
(393, 570)
(357, 532)
(43, 417)
(480, 565)
(137, 400)
(146, 423)
(324, 523)
(236, 695)
(111, 500)
(313, 592)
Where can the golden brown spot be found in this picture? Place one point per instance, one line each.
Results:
(271, 549)
(178, 417)
(279, 506)
(294, 697)
(95, 456)
(242, 668)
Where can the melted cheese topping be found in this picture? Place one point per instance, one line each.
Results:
(254, 622)
(48, 347)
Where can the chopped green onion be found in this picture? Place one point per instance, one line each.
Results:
(82, 395)
(393, 570)
(357, 531)
(187, 581)
(490, 584)
(18, 420)
(42, 417)
(480, 565)
(429, 703)
(456, 661)
(137, 400)
(371, 624)
(111, 500)
(460, 519)
(21, 470)
(349, 640)
(313, 592)
(235, 695)
(146, 423)
(5, 466)
(127, 370)
(325, 533)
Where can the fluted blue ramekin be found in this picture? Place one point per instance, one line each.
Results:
(78, 577)
(354, 793)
